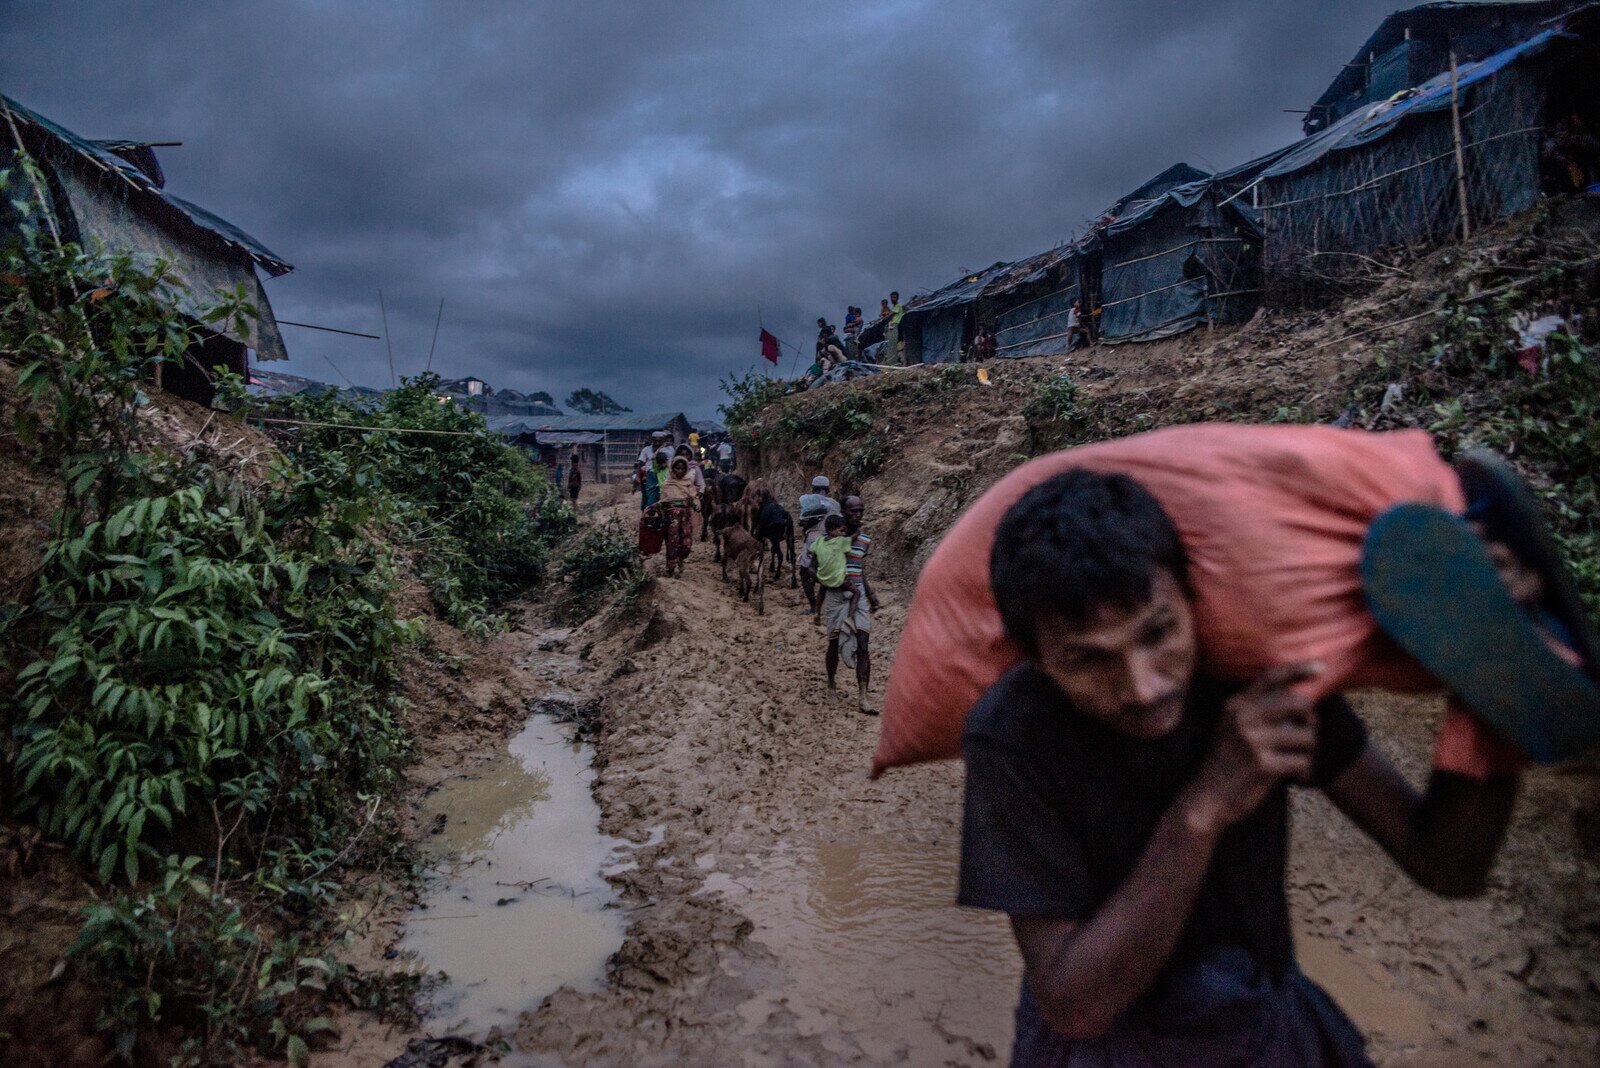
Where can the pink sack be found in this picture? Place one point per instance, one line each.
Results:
(1272, 518)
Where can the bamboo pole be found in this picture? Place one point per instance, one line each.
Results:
(1461, 159)
(384, 311)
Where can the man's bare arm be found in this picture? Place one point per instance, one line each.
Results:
(1086, 975)
(1445, 839)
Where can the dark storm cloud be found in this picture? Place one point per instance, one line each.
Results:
(605, 193)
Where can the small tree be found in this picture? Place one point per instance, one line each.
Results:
(542, 397)
(594, 402)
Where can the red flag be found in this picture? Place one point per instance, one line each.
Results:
(769, 347)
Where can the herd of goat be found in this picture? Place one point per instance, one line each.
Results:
(747, 524)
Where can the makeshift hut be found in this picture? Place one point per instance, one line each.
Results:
(938, 327)
(1413, 45)
(608, 444)
(1188, 256)
(112, 193)
(1387, 176)
(1028, 304)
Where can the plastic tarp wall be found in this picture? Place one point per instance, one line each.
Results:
(942, 334)
(1382, 180)
(1039, 326)
(101, 214)
(1177, 262)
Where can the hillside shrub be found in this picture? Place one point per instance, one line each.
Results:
(601, 560)
(204, 665)
(481, 515)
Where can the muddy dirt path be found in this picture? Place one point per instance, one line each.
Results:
(784, 910)
(788, 911)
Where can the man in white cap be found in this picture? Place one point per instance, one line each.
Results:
(815, 507)
(647, 455)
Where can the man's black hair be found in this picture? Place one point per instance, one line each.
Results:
(1075, 543)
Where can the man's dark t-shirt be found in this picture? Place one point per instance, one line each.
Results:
(1059, 808)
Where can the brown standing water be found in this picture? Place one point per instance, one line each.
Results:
(877, 960)
(517, 904)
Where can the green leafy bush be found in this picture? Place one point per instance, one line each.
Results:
(747, 396)
(203, 665)
(600, 560)
(481, 515)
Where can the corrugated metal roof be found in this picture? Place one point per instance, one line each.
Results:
(626, 421)
(555, 437)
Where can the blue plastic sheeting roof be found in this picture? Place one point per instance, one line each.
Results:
(1183, 196)
(1380, 120)
(107, 160)
(965, 291)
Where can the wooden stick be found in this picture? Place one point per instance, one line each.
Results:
(384, 311)
(1461, 159)
(439, 319)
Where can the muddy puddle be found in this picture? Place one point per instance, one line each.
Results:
(516, 904)
(1366, 993)
(877, 960)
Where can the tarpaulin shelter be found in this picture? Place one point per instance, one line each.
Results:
(1386, 175)
(937, 327)
(1413, 45)
(1031, 301)
(1187, 257)
(112, 193)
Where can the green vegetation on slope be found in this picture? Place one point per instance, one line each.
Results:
(204, 705)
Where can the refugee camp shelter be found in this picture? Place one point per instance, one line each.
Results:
(1413, 45)
(1028, 304)
(938, 327)
(1386, 176)
(112, 194)
(476, 395)
(1187, 256)
(608, 444)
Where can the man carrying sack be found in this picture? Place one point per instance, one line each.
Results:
(1171, 619)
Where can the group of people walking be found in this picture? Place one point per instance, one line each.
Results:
(671, 480)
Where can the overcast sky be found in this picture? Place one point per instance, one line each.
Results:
(605, 194)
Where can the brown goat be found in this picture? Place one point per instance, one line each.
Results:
(740, 548)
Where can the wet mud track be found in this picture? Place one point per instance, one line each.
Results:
(784, 910)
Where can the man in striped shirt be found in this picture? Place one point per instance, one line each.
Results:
(848, 609)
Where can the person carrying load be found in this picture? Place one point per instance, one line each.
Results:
(815, 507)
(1158, 629)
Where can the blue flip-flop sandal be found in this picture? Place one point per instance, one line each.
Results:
(1506, 508)
(1433, 588)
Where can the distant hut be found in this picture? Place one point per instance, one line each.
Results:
(1028, 305)
(113, 192)
(609, 445)
(938, 327)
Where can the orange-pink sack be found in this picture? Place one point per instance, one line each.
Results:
(1272, 518)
